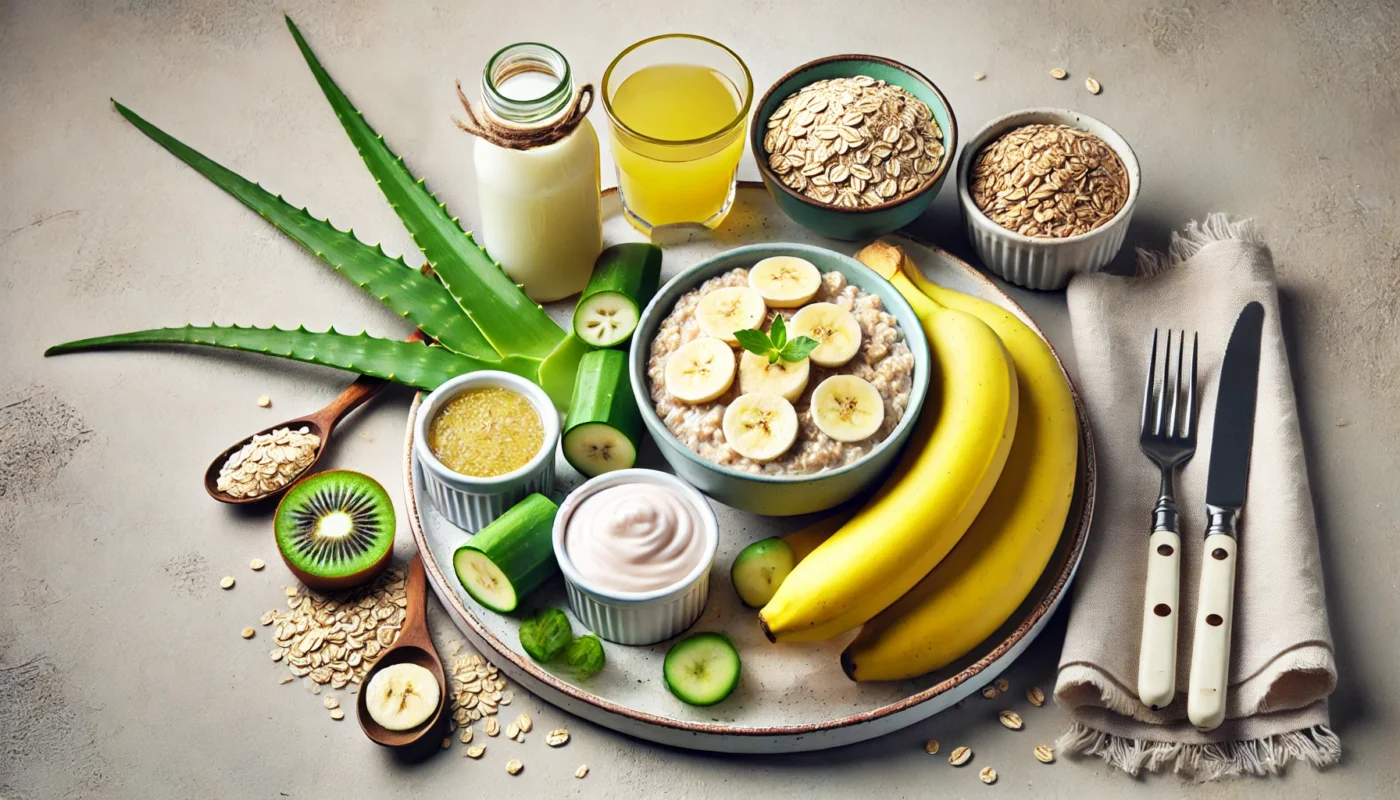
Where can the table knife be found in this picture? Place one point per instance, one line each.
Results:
(1226, 480)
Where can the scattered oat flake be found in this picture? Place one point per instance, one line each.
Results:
(524, 723)
(514, 766)
(581, 772)
(1058, 74)
(330, 702)
(512, 731)
(931, 747)
(1093, 86)
(286, 679)
(1044, 754)
(506, 698)
(1011, 719)
(248, 633)
(466, 735)
(226, 582)
(1036, 696)
(959, 756)
(446, 742)
(337, 714)
(988, 775)
(990, 692)
(476, 751)
(1003, 684)
(256, 564)
(264, 402)
(979, 76)
(557, 737)
(491, 727)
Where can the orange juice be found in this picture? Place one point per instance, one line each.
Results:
(677, 137)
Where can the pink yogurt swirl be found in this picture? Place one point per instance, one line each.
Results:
(635, 537)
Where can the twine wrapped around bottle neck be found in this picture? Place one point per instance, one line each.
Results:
(517, 138)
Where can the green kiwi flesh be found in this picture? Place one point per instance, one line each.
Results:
(335, 529)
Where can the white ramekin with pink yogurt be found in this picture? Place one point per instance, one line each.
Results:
(636, 547)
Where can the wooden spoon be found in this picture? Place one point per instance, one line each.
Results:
(320, 423)
(414, 646)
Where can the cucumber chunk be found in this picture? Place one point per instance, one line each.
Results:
(606, 318)
(703, 669)
(604, 426)
(624, 279)
(760, 569)
(510, 558)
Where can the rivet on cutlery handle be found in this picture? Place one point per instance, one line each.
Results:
(1210, 653)
(1157, 659)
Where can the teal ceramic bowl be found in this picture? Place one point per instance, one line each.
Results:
(775, 495)
(861, 223)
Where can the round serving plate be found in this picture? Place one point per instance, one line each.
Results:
(791, 697)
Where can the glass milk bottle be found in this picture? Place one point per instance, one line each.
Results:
(539, 206)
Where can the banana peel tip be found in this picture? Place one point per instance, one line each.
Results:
(763, 623)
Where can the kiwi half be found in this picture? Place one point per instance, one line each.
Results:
(335, 529)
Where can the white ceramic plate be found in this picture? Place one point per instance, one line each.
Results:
(790, 697)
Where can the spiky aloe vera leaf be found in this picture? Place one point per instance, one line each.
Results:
(410, 363)
(512, 322)
(419, 299)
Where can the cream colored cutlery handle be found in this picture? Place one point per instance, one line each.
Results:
(1210, 653)
(1157, 654)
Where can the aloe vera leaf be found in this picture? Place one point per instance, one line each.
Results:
(512, 322)
(558, 369)
(423, 366)
(417, 298)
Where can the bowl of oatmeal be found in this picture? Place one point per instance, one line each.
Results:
(794, 429)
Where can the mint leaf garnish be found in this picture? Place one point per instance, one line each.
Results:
(799, 348)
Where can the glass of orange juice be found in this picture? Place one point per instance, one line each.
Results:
(678, 105)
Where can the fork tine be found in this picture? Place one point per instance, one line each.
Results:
(1191, 391)
(1147, 392)
(1162, 395)
(1176, 428)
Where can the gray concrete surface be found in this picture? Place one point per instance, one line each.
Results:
(121, 670)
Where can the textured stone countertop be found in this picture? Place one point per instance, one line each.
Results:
(122, 673)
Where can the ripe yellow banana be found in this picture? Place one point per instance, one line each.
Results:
(955, 453)
(976, 588)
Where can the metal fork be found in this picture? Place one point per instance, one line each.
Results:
(1168, 437)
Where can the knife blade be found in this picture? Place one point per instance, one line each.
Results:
(1226, 482)
(1233, 435)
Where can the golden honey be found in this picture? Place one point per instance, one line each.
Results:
(486, 432)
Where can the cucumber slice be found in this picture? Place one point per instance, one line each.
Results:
(604, 427)
(510, 558)
(703, 669)
(624, 279)
(760, 569)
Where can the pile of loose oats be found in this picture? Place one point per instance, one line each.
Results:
(854, 142)
(268, 462)
(1049, 181)
(478, 692)
(334, 639)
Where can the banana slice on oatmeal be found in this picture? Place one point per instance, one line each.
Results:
(732, 308)
(833, 326)
(785, 281)
(700, 371)
(760, 426)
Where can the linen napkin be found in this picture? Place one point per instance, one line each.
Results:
(1281, 660)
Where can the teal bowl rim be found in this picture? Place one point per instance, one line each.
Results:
(639, 351)
(774, 181)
